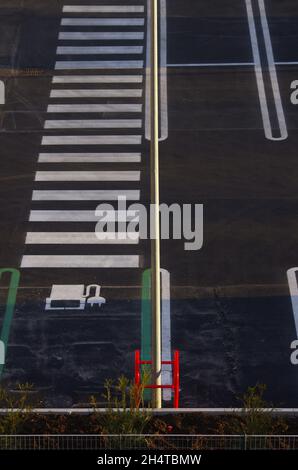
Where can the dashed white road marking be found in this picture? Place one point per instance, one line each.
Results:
(99, 64)
(92, 140)
(89, 50)
(119, 93)
(85, 195)
(80, 261)
(87, 176)
(103, 9)
(102, 22)
(102, 36)
(93, 124)
(80, 216)
(259, 73)
(89, 157)
(98, 79)
(95, 108)
(84, 238)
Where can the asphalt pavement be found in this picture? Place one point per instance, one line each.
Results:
(228, 141)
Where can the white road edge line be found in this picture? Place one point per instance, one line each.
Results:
(292, 280)
(272, 72)
(166, 374)
(162, 74)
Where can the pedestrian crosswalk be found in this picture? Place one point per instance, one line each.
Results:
(92, 141)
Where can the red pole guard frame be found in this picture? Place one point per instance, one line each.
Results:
(176, 375)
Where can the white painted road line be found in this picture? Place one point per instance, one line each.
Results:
(119, 93)
(292, 280)
(259, 73)
(98, 79)
(93, 124)
(84, 238)
(92, 140)
(164, 126)
(95, 108)
(85, 195)
(89, 158)
(163, 86)
(89, 50)
(166, 374)
(102, 36)
(80, 261)
(87, 176)
(103, 9)
(102, 22)
(101, 64)
(213, 64)
(83, 216)
(273, 74)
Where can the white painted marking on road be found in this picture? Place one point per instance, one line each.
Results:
(93, 124)
(89, 50)
(89, 158)
(273, 74)
(286, 63)
(81, 216)
(148, 75)
(103, 9)
(92, 140)
(162, 74)
(80, 261)
(2, 353)
(292, 280)
(98, 79)
(81, 50)
(95, 108)
(213, 64)
(102, 22)
(87, 176)
(84, 238)
(102, 36)
(109, 93)
(259, 73)
(100, 64)
(166, 375)
(164, 132)
(85, 195)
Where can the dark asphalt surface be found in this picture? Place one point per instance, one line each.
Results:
(231, 312)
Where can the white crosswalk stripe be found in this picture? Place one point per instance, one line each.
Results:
(95, 108)
(93, 124)
(79, 50)
(122, 93)
(103, 36)
(89, 157)
(98, 79)
(98, 64)
(103, 9)
(102, 22)
(80, 169)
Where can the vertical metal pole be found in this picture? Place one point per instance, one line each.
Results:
(155, 239)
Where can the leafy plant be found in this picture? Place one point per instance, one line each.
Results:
(257, 416)
(125, 411)
(17, 406)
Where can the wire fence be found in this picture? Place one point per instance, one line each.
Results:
(147, 442)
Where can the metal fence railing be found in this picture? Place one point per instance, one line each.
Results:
(147, 442)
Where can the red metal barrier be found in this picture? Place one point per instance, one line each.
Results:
(176, 375)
